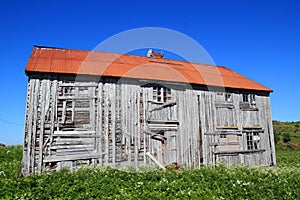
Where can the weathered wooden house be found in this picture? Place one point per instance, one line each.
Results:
(89, 108)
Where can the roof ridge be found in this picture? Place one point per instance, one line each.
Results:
(126, 54)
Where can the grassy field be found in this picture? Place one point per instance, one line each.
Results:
(281, 182)
(289, 128)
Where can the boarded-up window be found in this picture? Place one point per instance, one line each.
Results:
(225, 117)
(228, 142)
(250, 118)
(225, 110)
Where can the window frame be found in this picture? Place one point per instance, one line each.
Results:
(248, 101)
(249, 98)
(161, 94)
(253, 139)
(226, 97)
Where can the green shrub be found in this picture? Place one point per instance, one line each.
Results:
(276, 137)
(286, 137)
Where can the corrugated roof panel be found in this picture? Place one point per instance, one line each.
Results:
(69, 61)
(42, 65)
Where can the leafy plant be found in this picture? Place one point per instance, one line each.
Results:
(286, 137)
(276, 137)
(219, 182)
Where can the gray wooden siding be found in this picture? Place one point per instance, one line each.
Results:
(107, 122)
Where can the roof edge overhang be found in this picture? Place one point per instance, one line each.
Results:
(210, 87)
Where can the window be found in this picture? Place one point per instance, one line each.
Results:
(253, 140)
(227, 97)
(245, 97)
(68, 91)
(248, 102)
(161, 94)
(249, 98)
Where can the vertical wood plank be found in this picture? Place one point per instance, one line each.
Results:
(53, 108)
(44, 98)
(92, 118)
(64, 111)
(270, 130)
(73, 112)
(26, 159)
(35, 121)
(136, 124)
(144, 90)
(106, 122)
(99, 120)
(113, 122)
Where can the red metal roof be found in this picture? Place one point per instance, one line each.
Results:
(67, 61)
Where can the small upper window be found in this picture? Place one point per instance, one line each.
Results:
(161, 94)
(68, 91)
(245, 98)
(250, 99)
(227, 97)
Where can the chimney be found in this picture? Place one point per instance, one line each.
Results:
(152, 54)
(149, 53)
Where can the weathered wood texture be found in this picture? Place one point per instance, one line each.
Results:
(72, 124)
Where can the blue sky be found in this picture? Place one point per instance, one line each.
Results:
(259, 39)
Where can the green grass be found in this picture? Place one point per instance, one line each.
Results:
(288, 158)
(282, 182)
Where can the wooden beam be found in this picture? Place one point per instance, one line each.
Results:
(155, 135)
(163, 106)
(252, 127)
(155, 161)
(224, 143)
(224, 132)
(78, 84)
(163, 121)
(71, 157)
(76, 97)
(240, 152)
(226, 127)
(75, 133)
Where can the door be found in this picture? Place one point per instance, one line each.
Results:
(162, 123)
